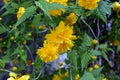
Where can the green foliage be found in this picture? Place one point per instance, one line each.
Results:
(85, 58)
(29, 12)
(20, 40)
(87, 76)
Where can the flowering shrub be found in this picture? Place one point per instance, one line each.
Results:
(59, 40)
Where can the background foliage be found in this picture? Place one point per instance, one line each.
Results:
(95, 55)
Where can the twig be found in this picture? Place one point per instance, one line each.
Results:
(98, 27)
(29, 51)
(89, 28)
(70, 72)
(5, 70)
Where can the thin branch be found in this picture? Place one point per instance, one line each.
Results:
(29, 51)
(98, 27)
(89, 28)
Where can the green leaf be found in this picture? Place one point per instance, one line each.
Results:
(87, 40)
(96, 72)
(85, 58)
(118, 48)
(3, 29)
(103, 47)
(38, 63)
(87, 76)
(53, 6)
(95, 52)
(42, 4)
(73, 57)
(104, 55)
(23, 55)
(36, 21)
(78, 10)
(101, 15)
(14, 5)
(29, 11)
(2, 64)
(104, 7)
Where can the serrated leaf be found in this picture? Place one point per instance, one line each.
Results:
(42, 4)
(54, 6)
(73, 57)
(104, 7)
(85, 59)
(14, 5)
(103, 47)
(2, 64)
(104, 55)
(95, 52)
(3, 29)
(87, 76)
(101, 15)
(96, 72)
(87, 40)
(78, 10)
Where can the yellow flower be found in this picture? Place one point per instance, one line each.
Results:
(94, 57)
(66, 74)
(25, 42)
(48, 52)
(116, 42)
(62, 37)
(77, 77)
(14, 76)
(90, 69)
(104, 79)
(96, 66)
(64, 2)
(88, 4)
(29, 34)
(20, 12)
(14, 68)
(0, 19)
(42, 27)
(57, 12)
(56, 77)
(94, 41)
(116, 6)
(71, 19)
(12, 38)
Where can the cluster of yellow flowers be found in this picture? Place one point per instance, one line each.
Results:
(88, 4)
(58, 41)
(57, 12)
(14, 76)
(20, 12)
(116, 6)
